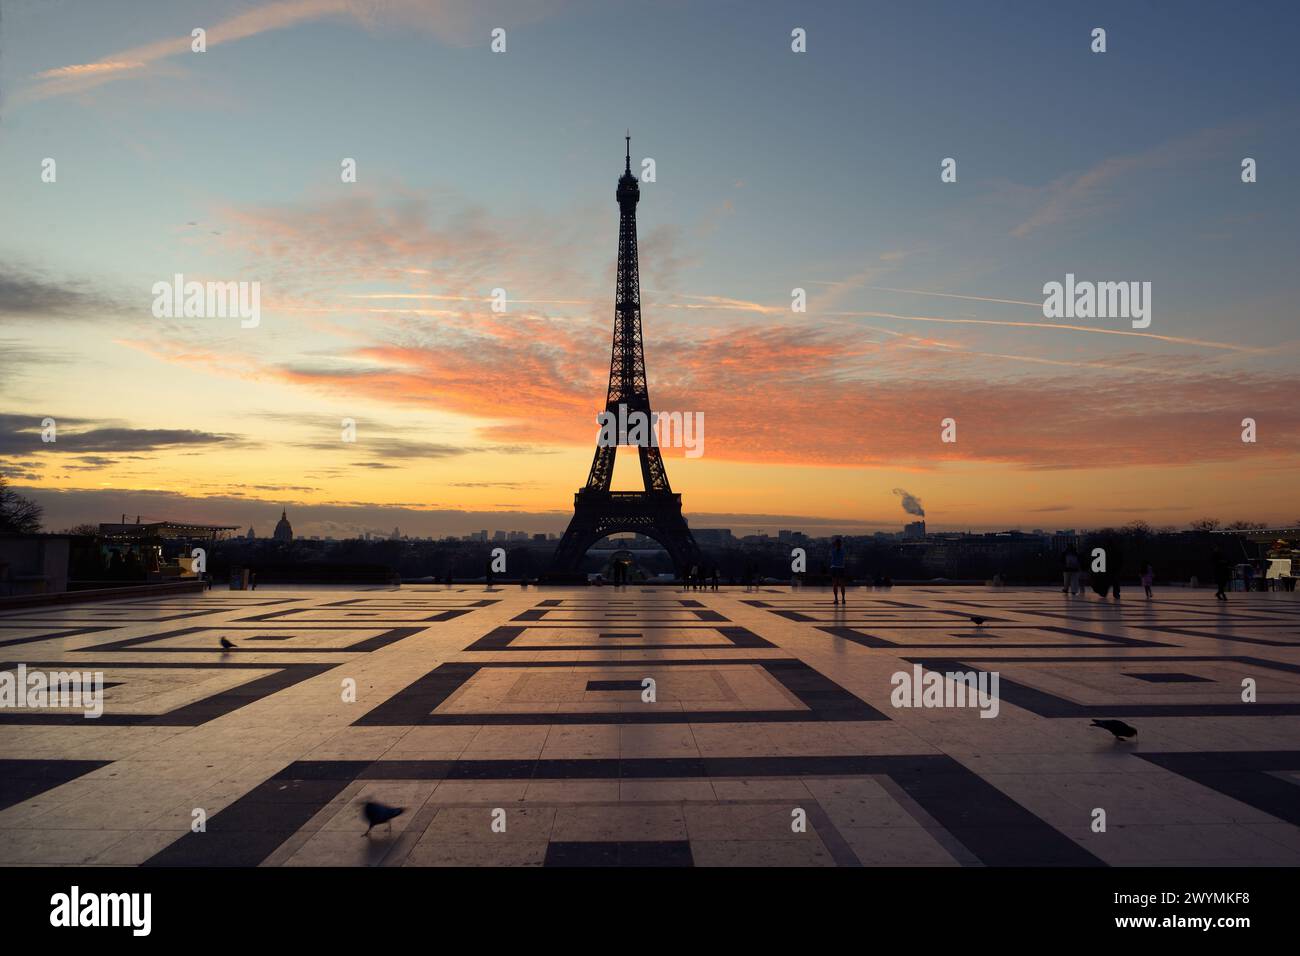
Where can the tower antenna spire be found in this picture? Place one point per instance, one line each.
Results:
(628, 137)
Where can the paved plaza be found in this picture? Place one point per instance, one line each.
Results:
(513, 727)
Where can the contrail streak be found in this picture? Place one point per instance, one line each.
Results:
(1203, 343)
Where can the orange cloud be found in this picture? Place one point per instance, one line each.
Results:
(823, 392)
(798, 396)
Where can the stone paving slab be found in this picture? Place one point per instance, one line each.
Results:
(653, 727)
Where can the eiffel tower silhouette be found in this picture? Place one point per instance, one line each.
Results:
(597, 511)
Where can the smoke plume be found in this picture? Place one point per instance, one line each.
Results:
(911, 504)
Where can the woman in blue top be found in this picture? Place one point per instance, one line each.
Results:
(837, 572)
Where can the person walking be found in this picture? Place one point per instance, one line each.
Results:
(1148, 576)
(1222, 574)
(837, 572)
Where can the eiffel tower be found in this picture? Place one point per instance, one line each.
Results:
(655, 512)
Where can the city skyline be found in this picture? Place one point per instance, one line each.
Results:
(817, 171)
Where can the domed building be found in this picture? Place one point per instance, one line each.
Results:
(283, 530)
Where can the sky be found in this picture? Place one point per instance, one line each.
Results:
(774, 170)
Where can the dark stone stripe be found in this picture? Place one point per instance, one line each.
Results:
(999, 831)
(72, 632)
(744, 637)
(1243, 776)
(383, 640)
(601, 685)
(497, 639)
(248, 831)
(415, 702)
(1201, 658)
(855, 636)
(23, 779)
(1170, 678)
(189, 715)
(1215, 636)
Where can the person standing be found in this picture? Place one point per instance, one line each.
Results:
(837, 572)
(1116, 557)
(1148, 576)
(1073, 571)
(1070, 571)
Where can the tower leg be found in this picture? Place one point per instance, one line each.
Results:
(597, 515)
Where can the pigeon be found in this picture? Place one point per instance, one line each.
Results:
(977, 620)
(1120, 729)
(377, 813)
(226, 644)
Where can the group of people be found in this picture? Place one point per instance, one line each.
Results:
(702, 578)
(1107, 580)
(1104, 577)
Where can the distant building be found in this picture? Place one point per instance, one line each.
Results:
(396, 535)
(1064, 539)
(115, 534)
(713, 537)
(283, 530)
(914, 530)
(250, 536)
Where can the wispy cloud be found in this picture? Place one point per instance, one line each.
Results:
(452, 21)
(30, 294)
(1081, 193)
(21, 434)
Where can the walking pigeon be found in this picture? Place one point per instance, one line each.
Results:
(377, 813)
(1121, 730)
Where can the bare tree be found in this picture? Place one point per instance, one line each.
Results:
(18, 514)
(1205, 524)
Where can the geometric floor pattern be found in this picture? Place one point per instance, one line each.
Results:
(655, 726)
